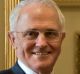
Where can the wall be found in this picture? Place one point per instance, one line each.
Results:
(65, 63)
(2, 35)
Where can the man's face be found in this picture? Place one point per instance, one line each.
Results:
(38, 38)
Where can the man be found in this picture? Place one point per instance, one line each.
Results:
(36, 33)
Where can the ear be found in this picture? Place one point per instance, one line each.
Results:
(11, 38)
(63, 36)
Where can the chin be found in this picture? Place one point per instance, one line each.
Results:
(43, 66)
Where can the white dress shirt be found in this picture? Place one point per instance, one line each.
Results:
(26, 69)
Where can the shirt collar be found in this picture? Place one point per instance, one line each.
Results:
(26, 69)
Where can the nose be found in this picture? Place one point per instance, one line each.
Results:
(41, 41)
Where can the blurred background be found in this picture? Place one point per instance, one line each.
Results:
(69, 60)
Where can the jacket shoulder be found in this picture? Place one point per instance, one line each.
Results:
(6, 72)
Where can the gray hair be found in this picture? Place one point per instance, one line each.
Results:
(15, 13)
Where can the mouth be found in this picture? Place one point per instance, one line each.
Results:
(41, 53)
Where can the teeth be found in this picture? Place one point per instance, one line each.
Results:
(41, 53)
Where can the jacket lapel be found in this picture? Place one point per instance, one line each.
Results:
(17, 70)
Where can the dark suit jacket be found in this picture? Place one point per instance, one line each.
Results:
(14, 70)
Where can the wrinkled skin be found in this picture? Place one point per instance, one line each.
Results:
(40, 17)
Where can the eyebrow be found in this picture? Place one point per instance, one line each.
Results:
(41, 30)
(51, 30)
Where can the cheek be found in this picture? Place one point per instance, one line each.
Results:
(56, 47)
(56, 51)
(27, 46)
(24, 49)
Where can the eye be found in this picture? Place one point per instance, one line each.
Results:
(30, 34)
(51, 34)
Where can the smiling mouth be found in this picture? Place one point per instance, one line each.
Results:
(41, 53)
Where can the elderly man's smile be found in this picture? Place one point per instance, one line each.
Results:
(36, 33)
(41, 53)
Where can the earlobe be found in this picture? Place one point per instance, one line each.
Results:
(11, 38)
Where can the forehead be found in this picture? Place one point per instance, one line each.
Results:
(38, 10)
(37, 13)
